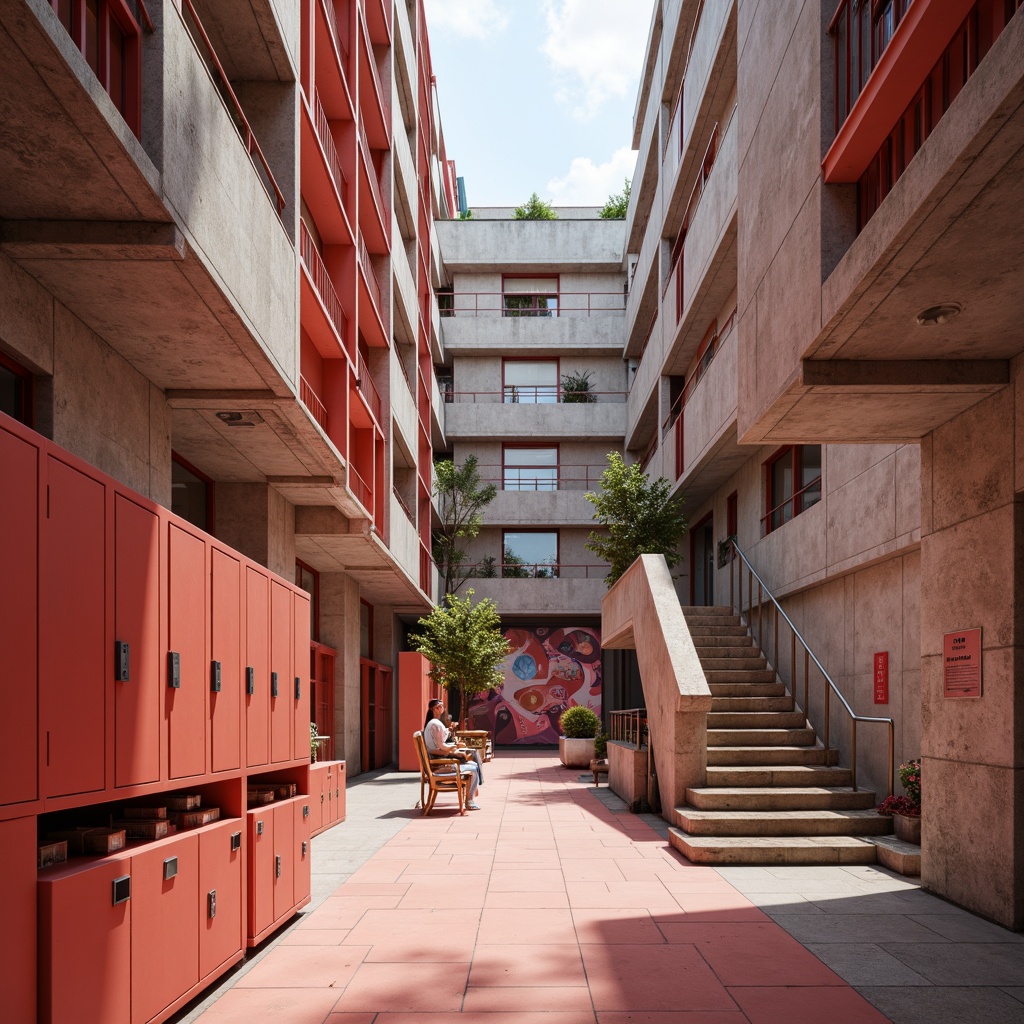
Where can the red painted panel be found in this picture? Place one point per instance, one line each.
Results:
(18, 899)
(340, 778)
(137, 623)
(19, 511)
(260, 859)
(220, 872)
(73, 649)
(284, 848)
(317, 796)
(282, 707)
(226, 640)
(301, 883)
(257, 658)
(186, 705)
(303, 711)
(165, 932)
(84, 945)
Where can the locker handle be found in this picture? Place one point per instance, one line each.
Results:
(174, 670)
(236, 841)
(305, 810)
(273, 684)
(122, 889)
(121, 661)
(211, 903)
(170, 868)
(298, 688)
(250, 680)
(215, 676)
(259, 827)
(305, 847)
(277, 866)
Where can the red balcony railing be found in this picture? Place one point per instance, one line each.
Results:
(513, 304)
(531, 394)
(369, 391)
(536, 570)
(371, 278)
(309, 399)
(371, 173)
(326, 137)
(405, 508)
(426, 569)
(532, 478)
(371, 61)
(322, 283)
(360, 488)
(234, 108)
(340, 39)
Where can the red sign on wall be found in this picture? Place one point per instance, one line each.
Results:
(881, 685)
(961, 663)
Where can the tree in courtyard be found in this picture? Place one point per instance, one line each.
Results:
(462, 498)
(534, 209)
(464, 644)
(639, 516)
(617, 205)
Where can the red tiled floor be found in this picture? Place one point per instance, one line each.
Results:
(616, 927)
(412, 988)
(839, 1005)
(305, 967)
(531, 966)
(282, 1006)
(525, 999)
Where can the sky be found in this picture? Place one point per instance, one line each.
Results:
(538, 95)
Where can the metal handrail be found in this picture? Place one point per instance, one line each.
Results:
(809, 655)
(469, 304)
(535, 570)
(514, 394)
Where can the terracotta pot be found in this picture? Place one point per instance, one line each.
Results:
(908, 829)
(575, 753)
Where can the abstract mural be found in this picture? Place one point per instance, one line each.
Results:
(547, 671)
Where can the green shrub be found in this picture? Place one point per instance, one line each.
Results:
(601, 746)
(580, 723)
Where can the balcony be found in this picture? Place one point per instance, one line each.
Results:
(577, 590)
(374, 212)
(374, 321)
(321, 299)
(403, 540)
(485, 415)
(325, 187)
(403, 405)
(374, 99)
(552, 508)
(312, 402)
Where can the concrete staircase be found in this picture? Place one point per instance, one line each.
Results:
(773, 795)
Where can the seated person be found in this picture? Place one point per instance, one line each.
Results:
(435, 737)
(471, 751)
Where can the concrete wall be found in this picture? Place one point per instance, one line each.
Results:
(259, 522)
(339, 628)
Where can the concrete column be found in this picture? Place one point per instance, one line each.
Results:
(972, 574)
(339, 628)
(258, 521)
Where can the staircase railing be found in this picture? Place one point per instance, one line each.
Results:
(740, 560)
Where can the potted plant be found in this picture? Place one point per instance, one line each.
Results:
(576, 388)
(580, 725)
(906, 810)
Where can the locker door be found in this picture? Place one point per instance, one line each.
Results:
(19, 526)
(220, 873)
(72, 627)
(304, 711)
(18, 899)
(302, 882)
(137, 624)
(317, 797)
(257, 661)
(261, 869)
(85, 946)
(165, 930)
(226, 639)
(284, 858)
(185, 704)
(339, 791)
(282, 707)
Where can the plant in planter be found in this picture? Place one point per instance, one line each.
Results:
(576, 388)
(906, 810)
(580, 725)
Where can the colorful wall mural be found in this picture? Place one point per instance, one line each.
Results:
(547, 671)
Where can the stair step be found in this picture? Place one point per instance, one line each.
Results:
(776, 798)
(729, 641)
(897, 855)
(865, 822)
(729, 654)
(716, 631)
(707, 609)
(777, 775)
(715, 621)
(762, 675)
(756, 719)
(747, 705)
(740, 663)
(762, 756)
(804, 737)
(742, 689)
(773, 850)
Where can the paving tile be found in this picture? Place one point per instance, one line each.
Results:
(512, 927)
(648, 977)
(718, 906)
(530, 966)
(514, 1017)
(591, 870)
(468, 892)
(413, 925)
(963, 927)
(526, 900)
(964, 963)
(351, 1018)
(282, 1006)
(864, 963)
(305, 967)
(525, 999)
(415, 988)
(516, 879)
(671, 1017)
(314, 936)
(946, 1005)
(616, 927)
(834, 1004)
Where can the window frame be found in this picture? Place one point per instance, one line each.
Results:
(510, 398)
(211, 504)
(555, 566)
(314, 596)
(25, 389)
(532, 310)
(506, 465)
(797, 498)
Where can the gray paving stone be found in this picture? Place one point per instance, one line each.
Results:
(1017, 993)
(960, 926)
(865, 963)
(962, 963)
(888, 928)
(974, 1005)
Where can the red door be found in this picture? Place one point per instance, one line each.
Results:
(302, 694)
(187, 681)
(257, 670)
(19, 525)
(226, 662)
(72, 642)
(300, 844)
(284, 857)
(137, 624)
(261, 871)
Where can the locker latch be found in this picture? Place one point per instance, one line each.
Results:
(174, 670)
(236, 840)
(211, 903)
(170, 868)
(121, 652)
(259, 827)
(122, 889)
(273, 684)
(277, 866)
(298, 688)
(305, 810)
(215, 676)
(250, 680)
(305, 847)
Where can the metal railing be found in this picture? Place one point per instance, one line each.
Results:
(628, 727)
(238, 117)
(372, 283)
(371, 174)
(322, 282)
(323, 133)
(777, 614)
(405, 508)
(544, 394)
(365, 385)
(558, 304)
(371, 60)
(360, 488)
(488, 570)
(309, 399)
(531, 478)
(339, 39)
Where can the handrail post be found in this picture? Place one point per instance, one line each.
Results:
(853, 755)
(775, 638)
(828, 716)
(807, 679)
(732, 603)
(760, 610)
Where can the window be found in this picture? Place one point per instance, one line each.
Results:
(308, 579)
(15, 391)
(793, 483)
(191, 494)
(529, 554)
(732, 519)
(529, 296)
(365, 630)
(530, 381)
(530, 469)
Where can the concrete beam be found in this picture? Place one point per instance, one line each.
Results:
(91, 240)
(904, 374)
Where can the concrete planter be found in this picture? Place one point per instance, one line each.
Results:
(907, 829)
(575, 753)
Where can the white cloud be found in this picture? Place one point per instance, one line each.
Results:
(590, 184)
(596, 48)
(472, 19)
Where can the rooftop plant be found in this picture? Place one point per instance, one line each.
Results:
(534, 209)
(617, 205)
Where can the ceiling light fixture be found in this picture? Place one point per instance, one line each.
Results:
(240, 419)
(938, 314)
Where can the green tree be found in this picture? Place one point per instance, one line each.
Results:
(462, 498)
(639, 515)
(465, 644)
(617, 205)
(534, 209)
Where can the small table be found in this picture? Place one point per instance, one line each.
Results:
(476, 739)
(599, 766)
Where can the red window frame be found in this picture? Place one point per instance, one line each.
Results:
(210, 502)
(534, 566)
(505, 465)
(533, 310)
(505, 395)
(300, 567)
(801, 498)
(25, 408)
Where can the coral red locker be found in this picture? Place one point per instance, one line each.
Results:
(282, 706)
(302, 881)
(257, 670)
(284, 858)
(261, 863)
(165, 933)
(19, 511)
(73, 655)
(85, 931)
(187, 670)
(18, 899)
(317, 797)
(136, 681)
(226, 662)
(303, 711)
(220, 895)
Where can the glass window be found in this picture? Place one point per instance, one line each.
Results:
(365, 630)
(530, 381)
(15, 392)
(530, 554)
(793, 483)
(530, 296)
(530, 469)
(191, 494)
(308, 580)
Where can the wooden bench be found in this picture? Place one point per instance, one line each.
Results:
(454, 782)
